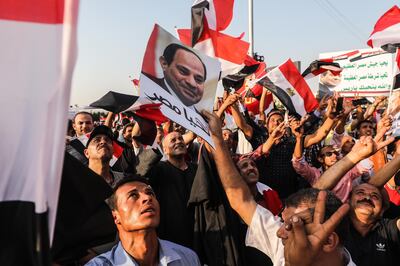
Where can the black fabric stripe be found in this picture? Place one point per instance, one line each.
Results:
(24, 235)
(283, 97)
(197, 20)
(115, 102)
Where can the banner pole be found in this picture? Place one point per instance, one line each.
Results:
(251, 36)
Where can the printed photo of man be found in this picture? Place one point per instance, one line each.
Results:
(327, 83)
(184, 74)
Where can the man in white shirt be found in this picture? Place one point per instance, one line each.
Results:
(306, 235)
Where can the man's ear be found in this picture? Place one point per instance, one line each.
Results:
(74, 126)
(85, 151)
(116, 217)
(331, 243)
(163, 63)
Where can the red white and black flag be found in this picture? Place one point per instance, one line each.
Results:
(147, 114)
(38, 53)
(209, 19)
(318, 67)
(387, 29)
(396, 73)
(289, 86)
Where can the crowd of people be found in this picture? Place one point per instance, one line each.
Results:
(323, 189)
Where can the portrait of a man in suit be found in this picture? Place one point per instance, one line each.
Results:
(184, 74)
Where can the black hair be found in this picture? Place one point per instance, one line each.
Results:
(332, 204)
(126, 126)
(82, 113)
(364, 121)
(112, 200)
(170, 51)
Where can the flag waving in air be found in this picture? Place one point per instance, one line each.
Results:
(209, 19)
(387, 29)
(38, 54)
(318, 67)
(289, 86)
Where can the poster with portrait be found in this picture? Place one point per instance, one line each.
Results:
(366, 73)
(181, 79)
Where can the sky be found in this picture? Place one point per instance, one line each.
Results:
(112, 35)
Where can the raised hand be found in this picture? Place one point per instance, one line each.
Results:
(214, 124)
(366, 147)
(278, 132)
(305, 241)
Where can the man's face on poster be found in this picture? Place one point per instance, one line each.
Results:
(185, 75)
(330, 79)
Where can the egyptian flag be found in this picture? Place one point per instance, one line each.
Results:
(118, 102)
(289, 86)
(209, 19)
(38, 54)
(318, 67)
(146, 114)
(387, 29)
(396, 73)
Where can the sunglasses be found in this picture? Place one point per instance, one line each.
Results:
(330, 153)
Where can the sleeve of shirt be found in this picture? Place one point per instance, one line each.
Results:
(305, 170)
(393, 231)
(99, 261)
(261, 235)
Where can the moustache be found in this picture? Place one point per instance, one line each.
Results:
(367, 201)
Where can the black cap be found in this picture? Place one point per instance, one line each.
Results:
(100, 130)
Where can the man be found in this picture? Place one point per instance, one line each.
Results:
(372, 239)
(82, 123)
(99, 151)
(127, 134)
(312, 244)
(172, 181)
(136, 214)
(184, 74)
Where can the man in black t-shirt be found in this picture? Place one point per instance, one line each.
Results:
(372, 240)
(172, 181)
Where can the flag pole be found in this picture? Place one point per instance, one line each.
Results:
(251, 36)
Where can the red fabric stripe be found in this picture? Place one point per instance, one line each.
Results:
(149, 59)
(390, 18)
(223, 13)
(117, 149)
(39, 11)
(398, 60)
(185, 36)
(294, 77)
(229, 48)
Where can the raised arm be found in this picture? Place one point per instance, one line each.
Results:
(237, 191)
(364, 148)
(385, 173)
(109, 119)
(323, 131)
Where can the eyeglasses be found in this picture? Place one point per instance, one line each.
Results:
(330, 153)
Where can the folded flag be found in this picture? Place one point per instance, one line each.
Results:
(38, 54)
(387, 29)
(289, 86)
(318, 67)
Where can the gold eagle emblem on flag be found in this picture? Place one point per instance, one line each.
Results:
(290, 92)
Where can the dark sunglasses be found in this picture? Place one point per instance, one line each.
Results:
(330, 153)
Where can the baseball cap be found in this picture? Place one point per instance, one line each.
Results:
(100, 130)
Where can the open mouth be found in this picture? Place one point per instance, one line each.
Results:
(150, 210)
(367, 203)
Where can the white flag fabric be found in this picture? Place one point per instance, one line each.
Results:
(38, 54)
(387, 29)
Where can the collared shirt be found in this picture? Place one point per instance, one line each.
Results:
(261, 235)
(170, 254)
